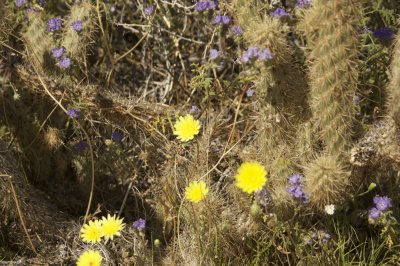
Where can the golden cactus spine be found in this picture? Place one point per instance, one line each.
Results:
(37, 39)
(394, 85)
(77, 41)
(330, 28)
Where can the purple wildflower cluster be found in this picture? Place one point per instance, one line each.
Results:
(384, 33)
(57, 52)
(295, 189)
(319, 236)
(139, 224)
(381, 205)
(63, 62)
(77, 25)
(54, 24)
(206, 5)
(237, 30)
(255, 52)
(221, 19)
(74, 113)
(262, 197)
(303, 3)
(214, 54)
(117, 136)
(280, 12)
(250, 92)
(148, 11)
(20, 3)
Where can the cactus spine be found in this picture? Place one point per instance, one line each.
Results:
(37, 39)
(394, 85)
(330, 28)
(76, 42)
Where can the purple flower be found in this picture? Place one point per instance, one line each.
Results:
(264, 54)
(280, 12)
(148, 11)
(295, 190)
(206, 5)
(295, 179)
(139, 224)
(194, 109)
(74, 113)
(220, 20)
(250, 92)
(374, 213)
(117, 136)
(262, 197)
(298, 192)
(20, 3)
(327, 237)
(57, 52)
(382, 203)
(384, 33)
(80, 146)
(237, 30)
(249, 54)
(65, 62)
(212, 4)
(214, 54)
(54, 24)
(291, 189)
(226, 20)
(303, 3)
(77, 25)
(252, 52)
(216, 20)
(201, 6)
(245, 58)
(305, 199)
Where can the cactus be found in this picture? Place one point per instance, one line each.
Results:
(76, 42)
(331, 33)
(326, 181)
(37, 39)
(394, 85)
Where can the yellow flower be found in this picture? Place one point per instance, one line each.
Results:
(92, 232)
(111, 226)
(251, 176)
(186, 128)
(196, 191)
(89, 258)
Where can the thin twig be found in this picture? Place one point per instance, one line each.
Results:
(20, 213)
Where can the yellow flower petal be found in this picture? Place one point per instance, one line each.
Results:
(251, 176)
(111, 226)
(186, 128)
(196, 191)
(89, 258)
(92, 232)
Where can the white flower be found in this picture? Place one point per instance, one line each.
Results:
(330, 209)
